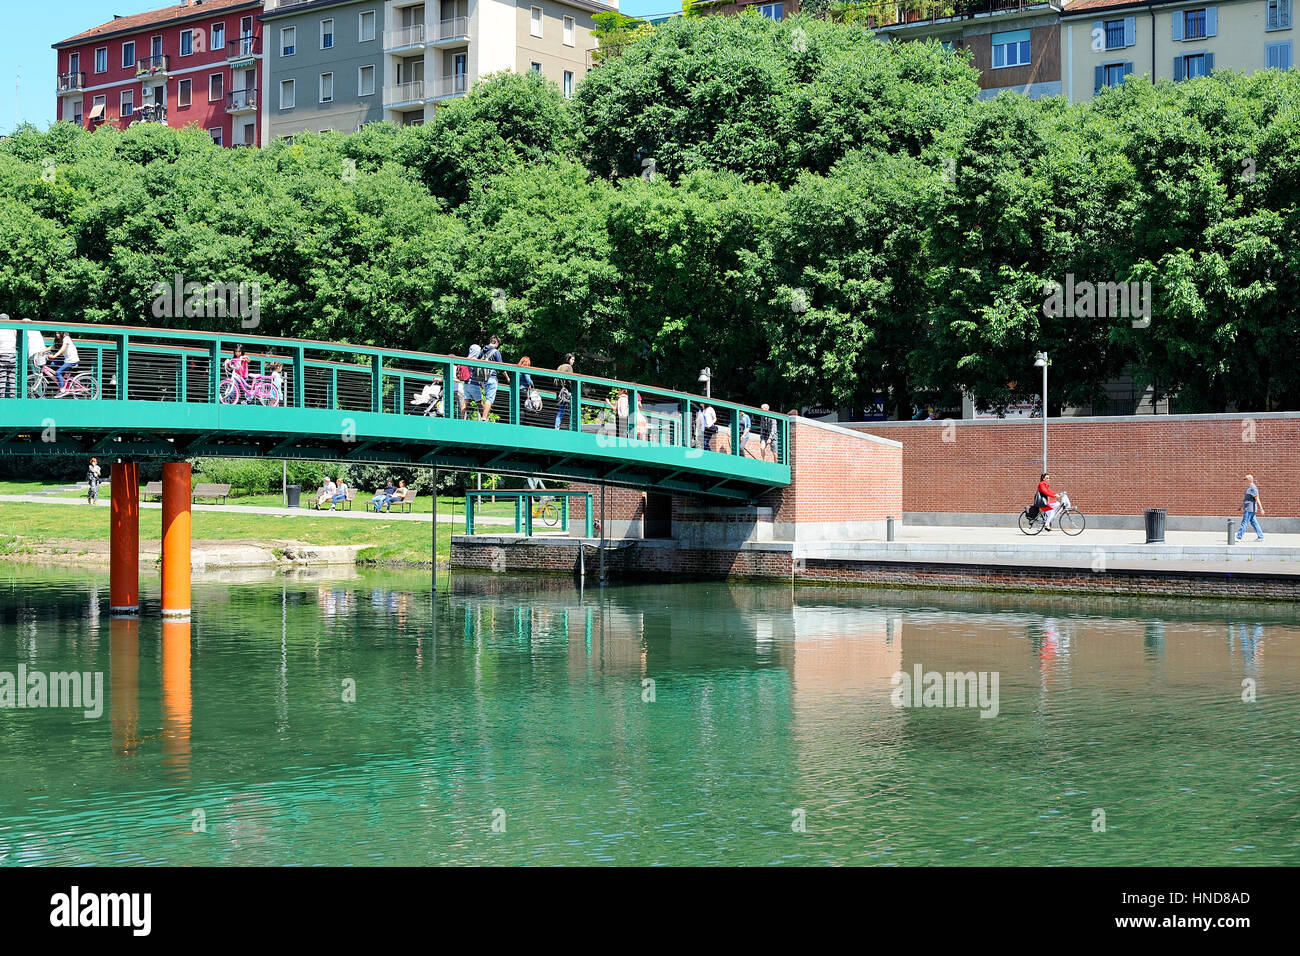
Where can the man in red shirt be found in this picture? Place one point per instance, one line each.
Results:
(1047, 500)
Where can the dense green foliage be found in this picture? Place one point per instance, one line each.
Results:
(830, 217)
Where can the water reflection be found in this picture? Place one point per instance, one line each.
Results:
(644, 724)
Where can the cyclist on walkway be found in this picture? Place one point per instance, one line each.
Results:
(1047, 500)
(64, 359)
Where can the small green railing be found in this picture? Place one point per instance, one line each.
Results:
(524, 515)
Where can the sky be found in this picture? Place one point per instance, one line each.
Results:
(30, 26)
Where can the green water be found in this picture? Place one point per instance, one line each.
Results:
(510, 721)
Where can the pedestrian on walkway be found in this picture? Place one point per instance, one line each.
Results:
(562, 394)
(1250, 505)
(8, 362)
(93, 477)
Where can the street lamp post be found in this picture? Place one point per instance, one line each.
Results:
(706, 379)
(1041, 361)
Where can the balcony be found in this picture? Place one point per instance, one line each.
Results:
(242, 51)
(445, 87)
(405, 95)
(898, 13)
(150, 113)
(71, 83)
(450, 31)
(159, 65)
(404, 38)
(241, 101)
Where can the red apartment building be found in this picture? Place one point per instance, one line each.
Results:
(194, 62)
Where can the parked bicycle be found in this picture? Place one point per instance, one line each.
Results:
(547, 510)
(43, 384)
(1068, 518)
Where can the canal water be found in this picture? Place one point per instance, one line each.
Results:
(357, 719)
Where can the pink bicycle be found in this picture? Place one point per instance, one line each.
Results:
(236, 390)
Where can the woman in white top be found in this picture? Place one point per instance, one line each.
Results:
(64, 358)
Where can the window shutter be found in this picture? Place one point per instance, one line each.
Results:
(1130, 31)
(1178, 24)
(1099, 25)
(1271, 56)
(1128, 67)
(1098, 79)
(1180, 69)
(1284, 56)
(1209, 63)
(1284, 14)
(1211, 21)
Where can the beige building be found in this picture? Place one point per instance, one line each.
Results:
(1102, 41)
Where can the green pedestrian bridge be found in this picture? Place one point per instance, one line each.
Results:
(166, 393)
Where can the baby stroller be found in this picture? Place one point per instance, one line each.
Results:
(428, 400)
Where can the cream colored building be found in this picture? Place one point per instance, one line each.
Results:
(1102, 41)
(436, 50)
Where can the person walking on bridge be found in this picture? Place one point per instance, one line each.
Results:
(1250, 505)
(562, 394)
(8, 363)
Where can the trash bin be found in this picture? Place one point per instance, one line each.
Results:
(294, 495)
(1155, 521)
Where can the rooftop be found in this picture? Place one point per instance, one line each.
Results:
(174, 12)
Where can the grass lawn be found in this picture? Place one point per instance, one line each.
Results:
(28, 527)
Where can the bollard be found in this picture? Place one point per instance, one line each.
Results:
(1230, 538)
(889, 528)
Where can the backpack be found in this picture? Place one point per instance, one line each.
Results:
(534, 400)
(480, 372)
(462, 373)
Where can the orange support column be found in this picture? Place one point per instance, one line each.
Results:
(124, 539)
(177, 699)
(176, 539)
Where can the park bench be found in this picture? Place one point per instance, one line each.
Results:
(153, 489)
(405, 502)
(347, 502)
(219, 492)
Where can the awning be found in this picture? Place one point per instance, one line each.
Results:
(96, 113)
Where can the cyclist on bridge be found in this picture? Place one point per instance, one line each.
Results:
(1047, 500)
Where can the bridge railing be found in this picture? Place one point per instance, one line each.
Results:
(179, 366)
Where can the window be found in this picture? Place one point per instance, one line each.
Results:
(1277, 56)
(327, 34)
(1110, 74)
(74, 63)
(366, 26)
(97, 107)
(1278, 16)
(216, 135)
(216, 87)
(366, 81)
(535, 21)
(1196, 24)
(128, 54)
(76, 113)
(535, 66)
(773, 11)
(218, 37)
(568, 83)
(187, 42)
(569, 29)
(327, 87)
(101, 60)
(184, 93)
(1010, 49)
(155, 46)
(287, 94)
(1193, 65)
(128, 103)
(1114, 34)
(288, 39)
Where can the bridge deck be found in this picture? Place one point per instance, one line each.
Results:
(160, 394)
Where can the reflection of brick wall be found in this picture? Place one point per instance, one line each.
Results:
(1192, 465)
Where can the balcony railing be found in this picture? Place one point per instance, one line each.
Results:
(241, 48)
(885, 13)
(457, 84)
(71, 82)
(153, 65)
(150, 114)
(454, 28)
(413, 92)
(238, 101)
(404, 37)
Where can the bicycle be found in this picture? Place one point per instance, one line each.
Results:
(547, 510)
(1068, 518)
(234, 390)
(43, 384)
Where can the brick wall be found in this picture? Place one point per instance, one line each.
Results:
(1192, 465)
